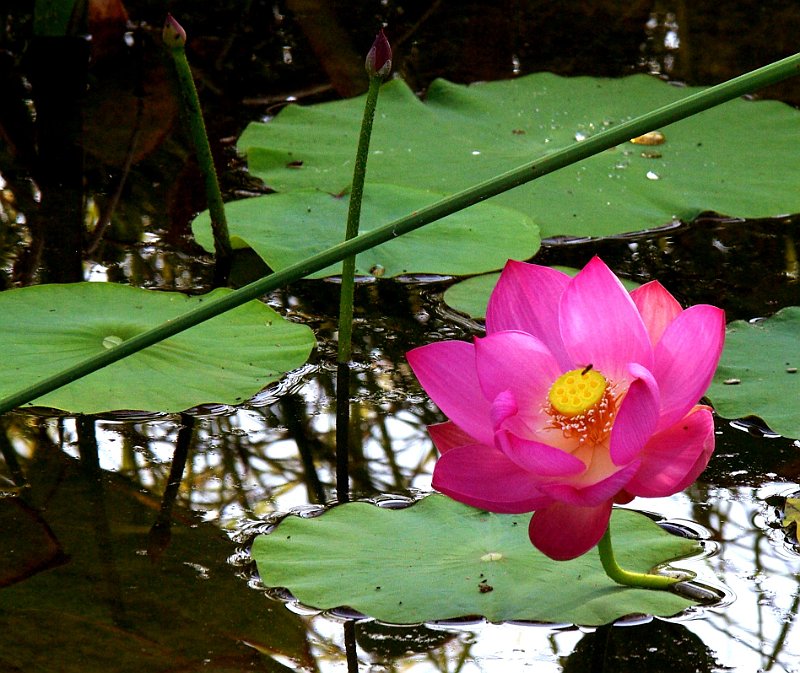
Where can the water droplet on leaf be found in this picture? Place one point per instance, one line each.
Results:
(111, 341)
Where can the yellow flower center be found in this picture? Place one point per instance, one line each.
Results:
(582, 406)
(577, 391)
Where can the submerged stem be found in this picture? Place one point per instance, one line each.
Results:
(626, 577)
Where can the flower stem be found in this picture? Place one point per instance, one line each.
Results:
(175, 40)
(347, 293)
(626, 577)
(353, 220)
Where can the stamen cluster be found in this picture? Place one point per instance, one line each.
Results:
(592, 426)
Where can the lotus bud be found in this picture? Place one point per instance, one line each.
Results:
(173, 33)
(379, 58)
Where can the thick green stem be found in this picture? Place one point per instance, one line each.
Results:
(197, 129)
(346, 296)
(659, 118)
(631, 579)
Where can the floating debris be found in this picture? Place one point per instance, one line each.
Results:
(651, 138)
(732, 382)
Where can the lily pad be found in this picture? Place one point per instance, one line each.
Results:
(758, 372)
(471, 296)
(49, 328)
(286, 228)
(735, 159)
(440, 559)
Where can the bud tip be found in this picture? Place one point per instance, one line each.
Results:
(173, 33)
(379, 58)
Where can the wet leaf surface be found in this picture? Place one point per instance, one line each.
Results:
(439, 559)
(462, 135)
(758, 372)
(226, 359)
(287, 228)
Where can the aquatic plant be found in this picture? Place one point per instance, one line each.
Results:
(420, 217)
(580, 396)
(378, 64)
(174, 37)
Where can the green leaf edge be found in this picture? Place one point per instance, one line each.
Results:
(744, 398)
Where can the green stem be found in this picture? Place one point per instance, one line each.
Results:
(659, 118)
(354, 218)
(346, 297)
(197, 129)
(631, 579)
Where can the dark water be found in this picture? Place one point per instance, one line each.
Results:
(116, 559)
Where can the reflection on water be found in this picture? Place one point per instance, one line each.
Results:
(121, 571)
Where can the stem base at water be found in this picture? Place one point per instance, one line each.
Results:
(626, 577)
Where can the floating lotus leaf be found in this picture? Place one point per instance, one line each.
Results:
(286, 228)
(758, 373)
(440, 559)
(49, 328)
(736, 159)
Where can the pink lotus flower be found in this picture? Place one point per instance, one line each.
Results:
(580, 396)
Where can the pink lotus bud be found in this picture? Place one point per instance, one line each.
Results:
(173, 33)
(379, 58)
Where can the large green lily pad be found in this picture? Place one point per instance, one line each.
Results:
(736, 159)
(441, 559)
(286, 228)
(758, 372)
(48, 328)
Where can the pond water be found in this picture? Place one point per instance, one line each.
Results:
(126, 550)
